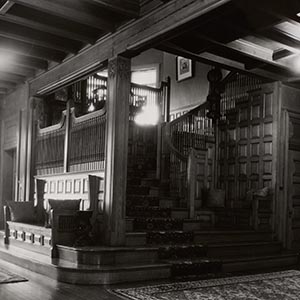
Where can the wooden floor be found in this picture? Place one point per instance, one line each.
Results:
(39, 287)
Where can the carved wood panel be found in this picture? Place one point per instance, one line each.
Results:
(294, 180)
(246, 147)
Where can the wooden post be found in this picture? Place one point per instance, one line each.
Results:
(67, 138)
(191, 180)
(30, 151)
(116, 149)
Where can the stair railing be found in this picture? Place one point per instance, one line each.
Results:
(193, 130)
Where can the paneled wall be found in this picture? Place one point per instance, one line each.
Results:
(289, 204)
(247, 146)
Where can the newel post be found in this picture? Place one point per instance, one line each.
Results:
(116, 151)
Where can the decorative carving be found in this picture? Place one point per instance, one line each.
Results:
(119, 65)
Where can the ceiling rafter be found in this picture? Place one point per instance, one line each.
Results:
(31, 50)
(36, 39)
(21, 60)
(215, 60)
(3, 91)
(65, 33)
(18, 70)
(130, 8)
(11, 77)
(67, 13)
(7, 84)
(6, 7)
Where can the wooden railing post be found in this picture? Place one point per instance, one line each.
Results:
(196, 179)
(191, 182)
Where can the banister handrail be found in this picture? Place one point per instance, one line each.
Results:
(170, 145)
(190, 112)
(94, 114)
(54, 127)
(149, 88)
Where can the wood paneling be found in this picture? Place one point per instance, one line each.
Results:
(246, 146)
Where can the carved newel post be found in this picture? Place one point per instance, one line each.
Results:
(116, 150)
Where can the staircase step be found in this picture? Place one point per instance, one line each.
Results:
(158, 224)
(103, 256)
(223, 236)
(65, 271)
(142, 200)
(137, 190)
(136, 239)
(169, 237)
(195, 267)
(266, 262)
(243, 249)
(182, 252)
(148, 212)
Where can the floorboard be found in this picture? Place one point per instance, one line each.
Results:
(39, 287)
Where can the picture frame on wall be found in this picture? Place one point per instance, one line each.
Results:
(184, 68)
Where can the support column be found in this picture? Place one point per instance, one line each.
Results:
(116, 151)
(30, 150)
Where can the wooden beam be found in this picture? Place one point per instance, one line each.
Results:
(143, 33)
(219, 61)
(27, 61)
(281, 53)
(250, 50)
(6, 7)
(29, 23)
(67, 13)
(128, 8)
(282, 37)
(12, 77)
(38, 38)
(3, 91)
(18, 70)
(7, 84)
(34, 51)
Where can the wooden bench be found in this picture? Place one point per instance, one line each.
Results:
(66, 224)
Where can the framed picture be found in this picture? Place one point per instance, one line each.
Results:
(184, 68)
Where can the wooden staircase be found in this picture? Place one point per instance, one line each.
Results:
(194, 246)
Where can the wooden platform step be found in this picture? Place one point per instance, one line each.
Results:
(248, 249)
(262, 262)
(105, 265)
(207, 237)
(105, 256)
(183, 268)
(69, 272)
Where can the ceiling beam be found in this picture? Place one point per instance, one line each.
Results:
(143, 33)
(31, 50)
(12, 77)
(25, 61)
(3, 91)
(38, 39)
(282, 37)
(29, 23)
(282, 53)
(6, 7)
(250, 50)
(67, 13)
(19, 70)
(7, 85)
(128, 8)
(219, 61)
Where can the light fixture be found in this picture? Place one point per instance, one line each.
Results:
(149, 116)
(298, 14)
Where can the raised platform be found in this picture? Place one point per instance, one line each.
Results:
(108, 265)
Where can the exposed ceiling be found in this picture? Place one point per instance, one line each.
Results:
(35, 34)
(258, 37)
